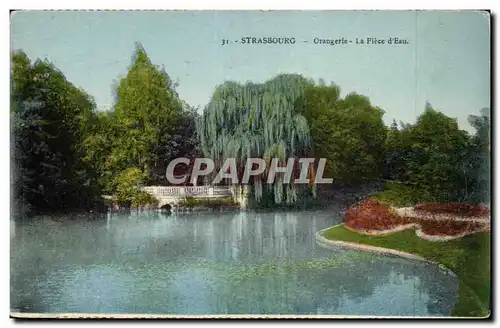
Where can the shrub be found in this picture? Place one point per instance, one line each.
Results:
(128, 193)
(401, 194)
(141, 198)
(126, 184)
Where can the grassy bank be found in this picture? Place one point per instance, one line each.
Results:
(468, 257)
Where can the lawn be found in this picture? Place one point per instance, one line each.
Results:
(468, 257)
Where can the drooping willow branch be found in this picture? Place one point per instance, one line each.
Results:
(259, 121)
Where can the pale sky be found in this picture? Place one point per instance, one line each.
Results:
(446, 63)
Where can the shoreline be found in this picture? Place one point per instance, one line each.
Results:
(469, 304)
(323, 241)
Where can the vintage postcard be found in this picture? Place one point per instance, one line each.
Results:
(250, 164)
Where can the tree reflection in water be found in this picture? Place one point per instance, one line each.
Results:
(212, 263)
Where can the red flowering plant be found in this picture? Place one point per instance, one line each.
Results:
(372, 215)
(449, 227)
(464, 210)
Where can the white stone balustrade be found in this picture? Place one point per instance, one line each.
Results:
(173, 194)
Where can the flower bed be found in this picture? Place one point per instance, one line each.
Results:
(449, 227)
(464, 210)
(373, 217)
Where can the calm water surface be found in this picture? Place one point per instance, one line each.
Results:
(243, 263)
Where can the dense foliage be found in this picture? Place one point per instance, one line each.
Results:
(147, 128)
(478, 168)
(50, 119)
(147, 109)
(444, 162)
(348, 132)
(66, 154)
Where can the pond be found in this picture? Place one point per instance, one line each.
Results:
(217, 263)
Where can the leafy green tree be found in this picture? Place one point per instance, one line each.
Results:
(348, 132)
(147, 127)
(182, 141)
(479, 155)
(50, 118)
(98, 145)
(438, 155)
(398, 152)
(431, 154)
(28, 151)
(147, 107)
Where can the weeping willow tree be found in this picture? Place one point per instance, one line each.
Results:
(257, 121)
